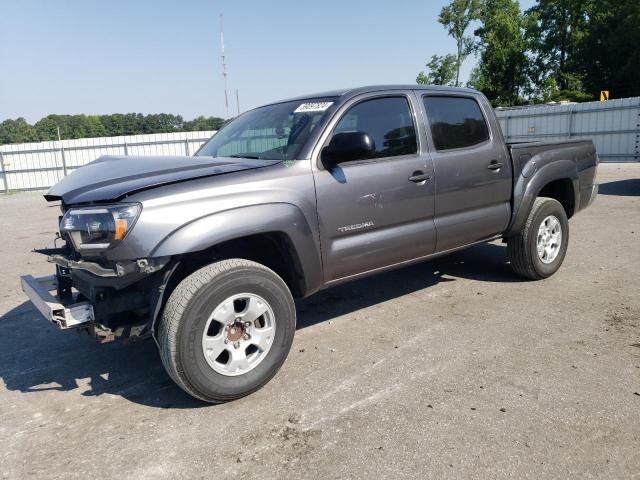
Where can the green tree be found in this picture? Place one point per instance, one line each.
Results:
(441, 70)
(87, 126)
(203, 123)
(557, 29)
(47, 127)
(94, 127)
(548, 91)
(17, 131)
(162, 123)
(609, 53)
(501, 73)
(456, 18)
(133, 124)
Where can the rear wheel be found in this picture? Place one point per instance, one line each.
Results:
(226, 330)
(538, 250)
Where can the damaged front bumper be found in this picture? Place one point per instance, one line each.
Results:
(66, 315)
(109, 301)
(73, 313)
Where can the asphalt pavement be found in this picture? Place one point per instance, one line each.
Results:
(453, 368)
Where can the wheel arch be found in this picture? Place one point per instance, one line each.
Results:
(275, 235)
(558, 180)
(282, 222)
(275, 250)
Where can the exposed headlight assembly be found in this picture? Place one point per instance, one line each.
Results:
(94, 229)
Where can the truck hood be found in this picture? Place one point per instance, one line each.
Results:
(111, 178)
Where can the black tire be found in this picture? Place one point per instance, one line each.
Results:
(522, 247)
(185, 316)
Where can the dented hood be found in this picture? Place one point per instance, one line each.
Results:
(111, 178)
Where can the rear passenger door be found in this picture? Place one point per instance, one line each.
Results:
(472, 170)
(377, 211)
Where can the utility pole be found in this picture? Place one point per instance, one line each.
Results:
(64, 160)
(224, 67)
(238, 101)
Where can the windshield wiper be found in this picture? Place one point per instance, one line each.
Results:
(244, 155)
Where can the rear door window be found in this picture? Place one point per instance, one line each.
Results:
(455, 122)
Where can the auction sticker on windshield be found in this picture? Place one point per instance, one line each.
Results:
(313, 107)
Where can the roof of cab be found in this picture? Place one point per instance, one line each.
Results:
(350, 92)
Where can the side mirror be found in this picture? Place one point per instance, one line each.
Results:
(347, 146)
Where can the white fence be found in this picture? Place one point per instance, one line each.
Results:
(37, 166)
(614, 126)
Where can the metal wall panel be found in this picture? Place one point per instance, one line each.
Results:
(614, 125)
(38, 166)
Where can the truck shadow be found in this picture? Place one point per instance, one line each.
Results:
(35, 357)
(623, 188)
(485, 262)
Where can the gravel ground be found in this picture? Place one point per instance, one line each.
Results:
(449, 369)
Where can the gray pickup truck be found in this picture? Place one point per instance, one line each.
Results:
(207, 253)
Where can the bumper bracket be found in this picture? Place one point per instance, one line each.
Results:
(64, 315)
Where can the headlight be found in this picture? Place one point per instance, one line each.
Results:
(98, 228)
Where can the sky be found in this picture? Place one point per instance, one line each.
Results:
(119, 56)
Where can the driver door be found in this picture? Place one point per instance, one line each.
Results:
(377, 211)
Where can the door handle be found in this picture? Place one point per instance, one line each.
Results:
(495, 166)
(419, 177)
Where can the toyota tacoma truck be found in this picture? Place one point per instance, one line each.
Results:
(206, 253)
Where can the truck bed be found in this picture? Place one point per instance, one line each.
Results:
(576, 157)
(574, 149)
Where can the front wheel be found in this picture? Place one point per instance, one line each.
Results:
(226, 330)
(538, 249)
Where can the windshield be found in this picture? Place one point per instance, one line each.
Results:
(273, 132)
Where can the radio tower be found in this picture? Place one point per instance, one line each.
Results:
(224, 68)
